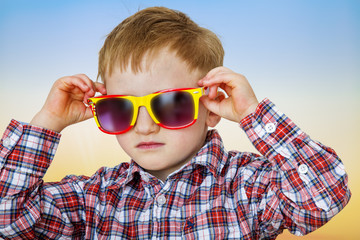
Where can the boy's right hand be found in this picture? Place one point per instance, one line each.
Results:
(65, 103)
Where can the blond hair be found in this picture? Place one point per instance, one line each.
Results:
(152, 29)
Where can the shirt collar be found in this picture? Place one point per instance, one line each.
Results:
(212, 156)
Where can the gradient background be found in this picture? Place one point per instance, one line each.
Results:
(303, 55)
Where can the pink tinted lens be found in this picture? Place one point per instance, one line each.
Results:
(174, 109)
(114, 114)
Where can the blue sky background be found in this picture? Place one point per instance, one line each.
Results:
(304, 55)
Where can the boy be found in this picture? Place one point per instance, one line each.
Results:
(161, 75)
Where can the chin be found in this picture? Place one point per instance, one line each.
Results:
(151, 165)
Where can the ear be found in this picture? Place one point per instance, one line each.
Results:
(212, 119)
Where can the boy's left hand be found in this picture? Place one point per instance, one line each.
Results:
(241, 99)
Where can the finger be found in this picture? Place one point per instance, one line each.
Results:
(213, 90)
(216, 71)
(226, 78)
(210, 74)
(78, 87)
(96, 86)
(213, 105)
(86, 80)
(86, 87)
(100, 87)
(84, 77)
(220, 96)
(68, 84)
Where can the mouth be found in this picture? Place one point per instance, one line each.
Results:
(149, 145)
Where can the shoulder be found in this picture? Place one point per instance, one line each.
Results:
(102, 178)
(247, 175)
(108, 176)
(248, 166)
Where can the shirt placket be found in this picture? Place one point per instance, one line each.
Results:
(159, 211)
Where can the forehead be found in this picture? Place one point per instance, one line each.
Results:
(163, 71)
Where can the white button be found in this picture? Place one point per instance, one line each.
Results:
(270, 127)
(303, 169)
(6, 142)
(161, 200)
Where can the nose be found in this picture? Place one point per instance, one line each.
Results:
(144, 124)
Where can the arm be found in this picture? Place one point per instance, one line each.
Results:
(28, 207)
(307, 184)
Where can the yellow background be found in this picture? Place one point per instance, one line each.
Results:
(303, 55)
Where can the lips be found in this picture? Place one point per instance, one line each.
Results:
(149, 145)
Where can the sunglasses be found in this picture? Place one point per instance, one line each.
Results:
(171, 109)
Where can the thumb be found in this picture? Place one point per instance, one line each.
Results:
(213, 105)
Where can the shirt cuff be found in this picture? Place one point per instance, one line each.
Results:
(27, 149)
(269, 129)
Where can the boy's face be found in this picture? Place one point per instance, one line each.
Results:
(158, 150)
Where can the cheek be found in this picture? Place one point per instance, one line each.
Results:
(195, 132)
(123, 140)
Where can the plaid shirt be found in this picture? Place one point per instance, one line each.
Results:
(297, 184)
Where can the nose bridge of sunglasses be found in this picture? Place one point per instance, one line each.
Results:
(143, 101)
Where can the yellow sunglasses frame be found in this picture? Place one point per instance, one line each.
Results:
(145, 101)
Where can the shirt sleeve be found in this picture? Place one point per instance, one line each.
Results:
(30, 209)
(26, 153)
(307, 184)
